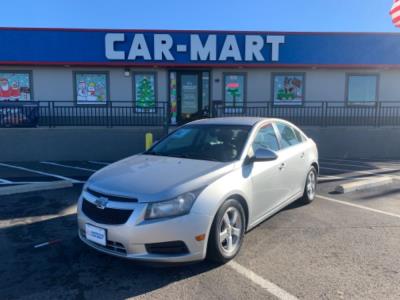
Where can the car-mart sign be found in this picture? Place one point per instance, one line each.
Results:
(197, 48)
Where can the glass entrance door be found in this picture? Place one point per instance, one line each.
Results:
(190, 100)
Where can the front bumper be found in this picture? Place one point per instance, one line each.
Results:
(129, 240)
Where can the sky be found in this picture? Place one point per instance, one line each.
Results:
(265, 15)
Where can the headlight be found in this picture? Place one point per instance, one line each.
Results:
(179, 206)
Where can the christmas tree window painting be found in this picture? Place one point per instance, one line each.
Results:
(15, 86)
(288, 89)
(234, 93)
(91, 88)
(145, 92)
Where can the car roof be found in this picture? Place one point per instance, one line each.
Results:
(251, 121)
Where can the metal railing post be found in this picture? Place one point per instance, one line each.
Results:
(324, 121)
(377, 114)
(51, 114)
(167, 117)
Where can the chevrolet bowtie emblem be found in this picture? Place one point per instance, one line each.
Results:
(101, 202)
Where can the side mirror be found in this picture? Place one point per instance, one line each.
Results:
(264, 155)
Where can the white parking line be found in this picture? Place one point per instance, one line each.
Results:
(270, 287)
(388, 162)
(98, 163)
(322, 178)
(41, 173)
(19, 182)
(3, 181)
(358, 166)
(360, 172)
(67, 166)
(359, 206)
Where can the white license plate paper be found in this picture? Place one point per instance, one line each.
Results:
(96, 234)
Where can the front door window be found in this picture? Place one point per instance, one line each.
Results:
(189, 95)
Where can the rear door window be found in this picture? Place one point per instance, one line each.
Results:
(288, 135)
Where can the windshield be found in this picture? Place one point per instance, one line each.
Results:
(223, 143)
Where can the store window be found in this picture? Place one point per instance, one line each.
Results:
(234, 92)
(288, 89)
(91, 88)
(145, 91)
(362, 89)
(15, 86)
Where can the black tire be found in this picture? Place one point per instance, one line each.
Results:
(215, 250)
(308, 197)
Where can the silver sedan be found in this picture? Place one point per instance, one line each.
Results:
(196, 192)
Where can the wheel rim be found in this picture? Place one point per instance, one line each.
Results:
(230, 233)
(311, 185)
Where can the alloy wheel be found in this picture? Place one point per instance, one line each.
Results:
(311, 185)
(230, 233)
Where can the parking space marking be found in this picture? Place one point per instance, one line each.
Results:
(359, 166)
(67, 166)
(269, 286)
(31, 220)
(387, 162)
(3, 181)
(98, 163)
(41, 173)
(363, 172)
(18, 182)
(330, 177)
(359, 206)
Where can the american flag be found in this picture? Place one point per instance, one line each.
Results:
(395, 13)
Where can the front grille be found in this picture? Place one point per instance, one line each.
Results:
(107, 215)
(111, 246)
(174, 248)
(111, 197)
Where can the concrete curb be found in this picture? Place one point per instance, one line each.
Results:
(33, 187)
(363, 184)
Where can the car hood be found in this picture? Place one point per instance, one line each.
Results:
(154, 178)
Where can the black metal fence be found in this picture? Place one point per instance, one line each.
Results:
(67, 113)
(128, 113)
(319, 113)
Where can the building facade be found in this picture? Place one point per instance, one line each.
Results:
(188, 73)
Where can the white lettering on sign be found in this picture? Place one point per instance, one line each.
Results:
(139, 48)
(210, 48)
(208, 51)
(230, 49)
(254, 45)
(275, 40)
(162, 47)
(111, 39)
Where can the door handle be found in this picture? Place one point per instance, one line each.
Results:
(282, 166)
(302, 155)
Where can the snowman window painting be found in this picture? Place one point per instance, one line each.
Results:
(145, 93)
(15, 86)
(91, 88)
(288, 89)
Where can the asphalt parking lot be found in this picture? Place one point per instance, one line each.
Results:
(339, 247)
